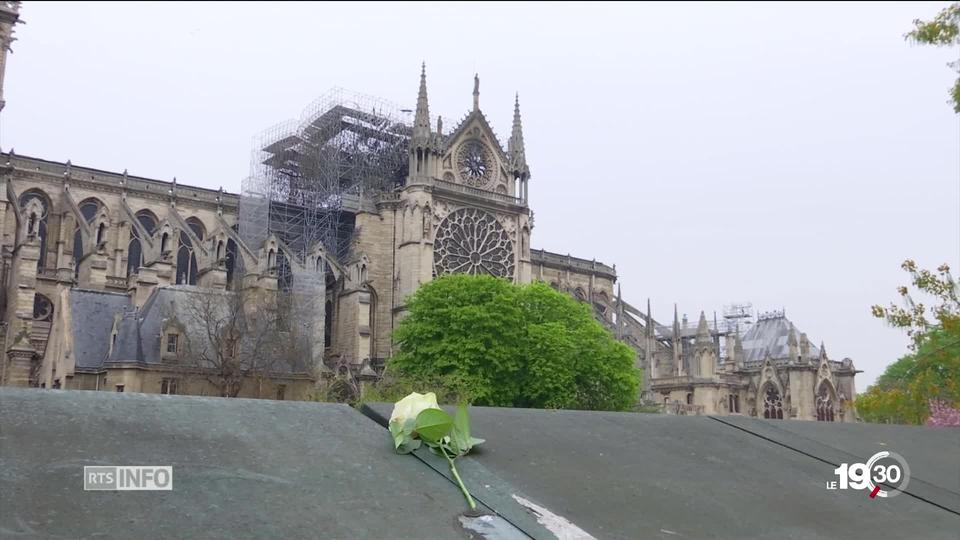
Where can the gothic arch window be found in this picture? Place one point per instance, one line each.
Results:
(329, 307)
(825, 403)
(88, 211)
(230, 261)
(135, 247)
(772, 403)
(689, 399)
(734, 405)
(186, 254)
(580, 294)
(284, 272)
(197, 227)
(36, 208)
(328, 324)
(42, 308)
(472, 241)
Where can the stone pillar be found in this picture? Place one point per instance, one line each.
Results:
(213, 278)
(20, 364)
(802, 400)
(164, 271)
(146, 282)
(22, 292)
(93, 271)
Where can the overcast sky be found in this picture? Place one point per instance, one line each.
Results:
(788, 155)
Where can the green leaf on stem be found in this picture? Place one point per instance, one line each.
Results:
(433, 425)
(461, 441)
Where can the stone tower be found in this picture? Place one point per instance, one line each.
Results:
(464, 207)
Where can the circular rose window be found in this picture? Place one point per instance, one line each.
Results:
(472, 241)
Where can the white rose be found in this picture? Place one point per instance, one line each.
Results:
(409, 407)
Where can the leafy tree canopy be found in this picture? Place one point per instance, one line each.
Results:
(932, 370)
(501, 344)
(942, 31)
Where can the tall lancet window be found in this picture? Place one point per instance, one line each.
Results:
(186, 254)
(35, 208)
(88, 211)
(230, 261)
(825, 404)
(135, 248)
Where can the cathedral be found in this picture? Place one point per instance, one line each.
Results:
(113, 282)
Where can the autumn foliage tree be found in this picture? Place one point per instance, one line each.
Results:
(501, 344)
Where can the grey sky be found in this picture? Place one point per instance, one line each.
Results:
(790, 155)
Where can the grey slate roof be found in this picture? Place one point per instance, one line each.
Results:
(770, 335)
(93, 313)
(139, 330)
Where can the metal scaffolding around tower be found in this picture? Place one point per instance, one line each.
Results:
(308, 178)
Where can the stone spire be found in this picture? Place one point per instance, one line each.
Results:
(476, 92)
(649, 328)
(823, 351)
(515, 149)
(676, 324)
(703, 331)
(9, 17)
(421, 122)
(792, 344)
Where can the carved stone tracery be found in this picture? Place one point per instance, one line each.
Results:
(473, 241)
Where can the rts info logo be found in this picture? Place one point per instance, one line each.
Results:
(887, 469)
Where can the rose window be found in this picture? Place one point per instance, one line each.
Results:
(772, 403)
(475, 164)
(472, 241)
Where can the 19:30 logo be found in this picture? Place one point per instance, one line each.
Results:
(883, 468)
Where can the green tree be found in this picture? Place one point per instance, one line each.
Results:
(942, 31)
(932, 369)
(508, 345)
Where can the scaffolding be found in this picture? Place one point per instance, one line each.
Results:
(308, 178)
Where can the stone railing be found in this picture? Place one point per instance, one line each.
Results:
(476, 192)
(117, 282)
(539, 256)
(388, 197)
(681, 409)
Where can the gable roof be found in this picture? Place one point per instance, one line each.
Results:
(461, 129)
(93, 314)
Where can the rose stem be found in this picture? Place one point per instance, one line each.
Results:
(453, 469)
